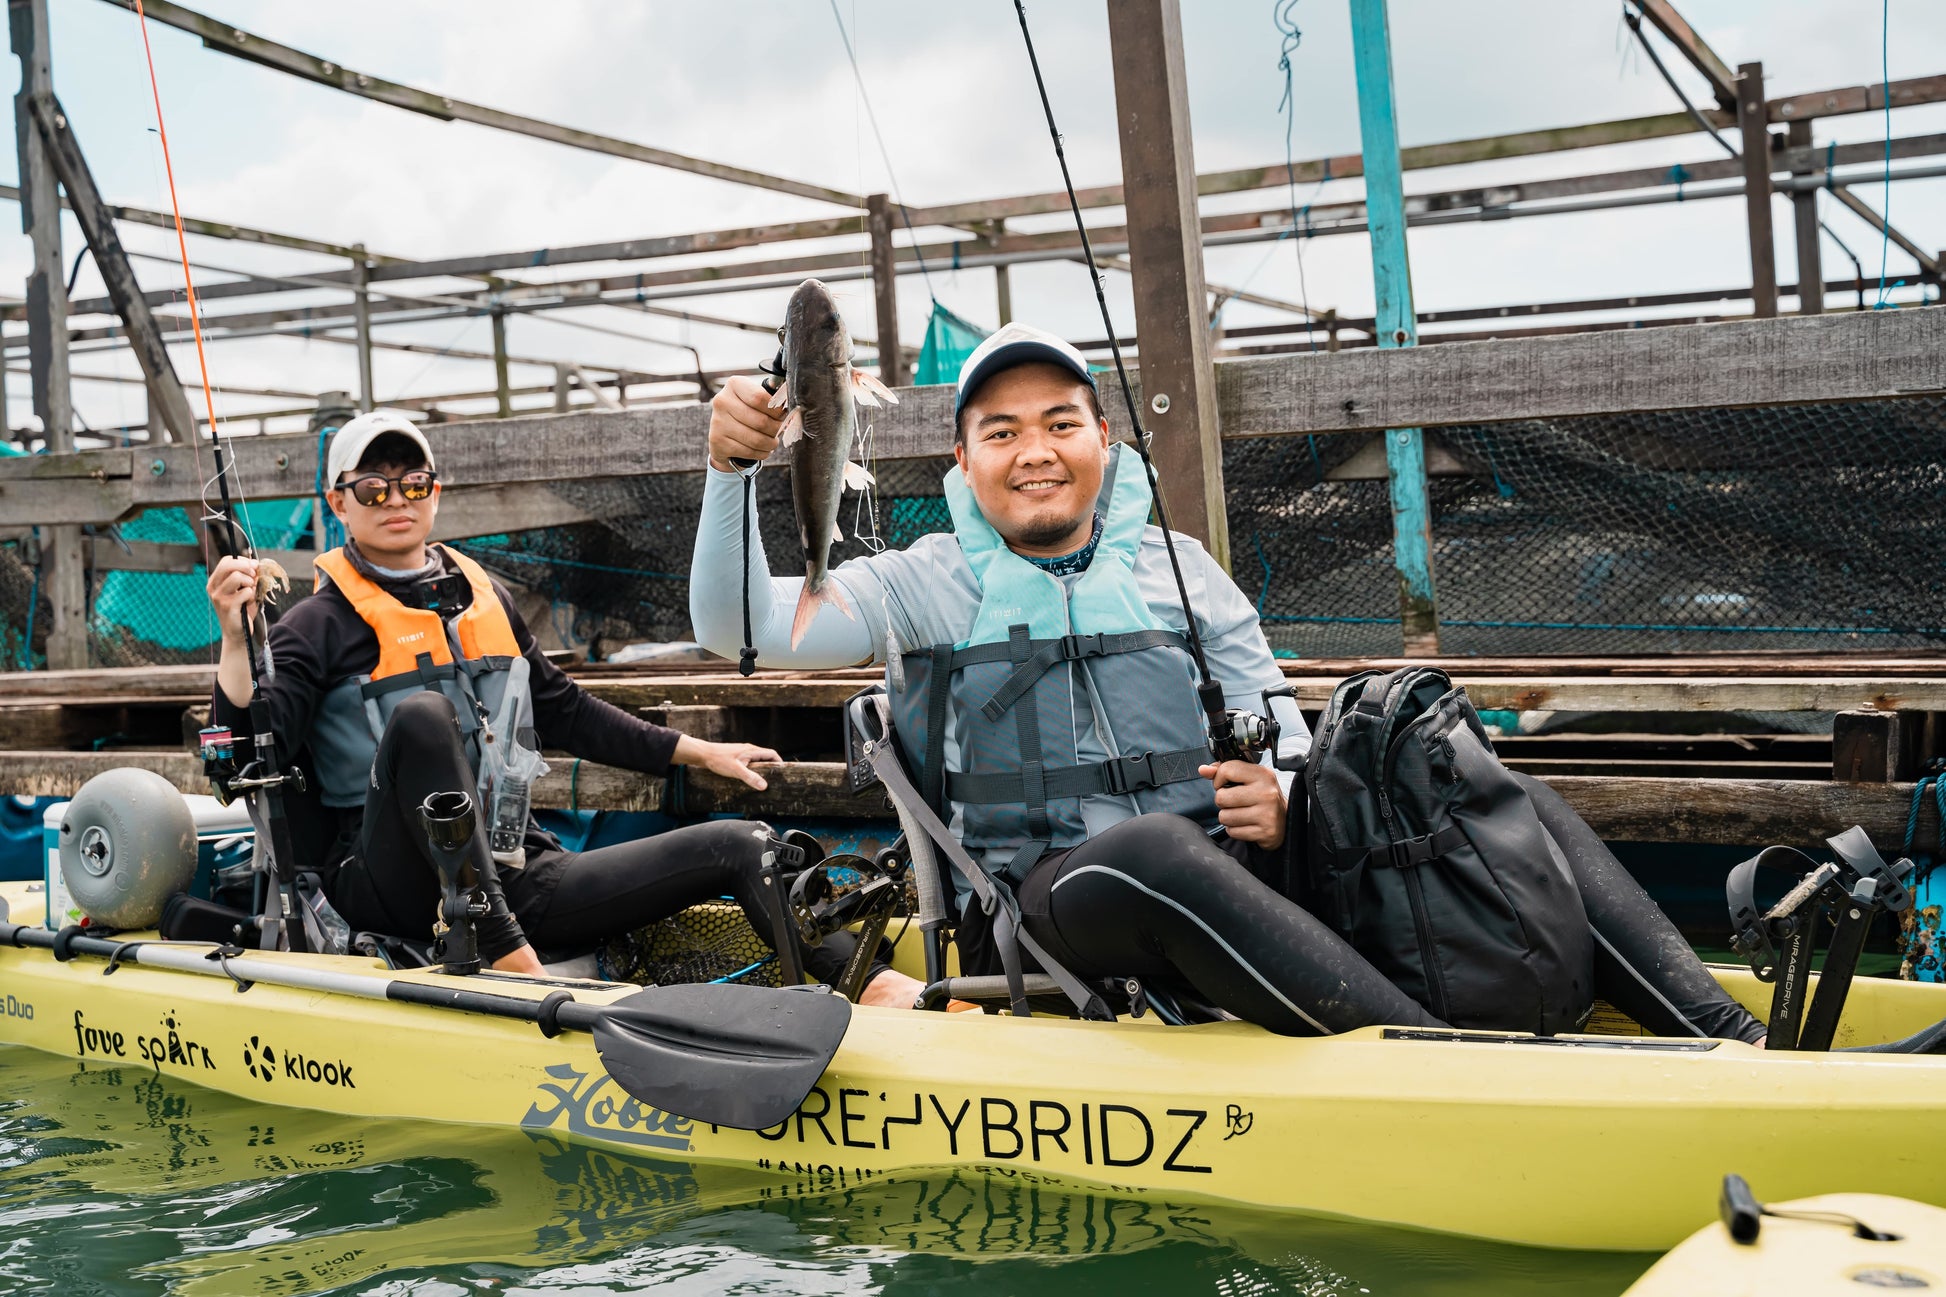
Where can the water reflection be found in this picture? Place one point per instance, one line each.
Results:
(123, 1181)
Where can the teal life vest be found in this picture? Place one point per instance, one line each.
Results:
(1041, 655)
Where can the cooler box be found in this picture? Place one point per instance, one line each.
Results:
(215, 823)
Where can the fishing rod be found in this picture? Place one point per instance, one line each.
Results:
(264, 775)
(1234, 735)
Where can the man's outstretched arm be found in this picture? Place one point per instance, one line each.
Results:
(743, 426)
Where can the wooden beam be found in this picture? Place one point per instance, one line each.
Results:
(1742, 812)
(1405, 447)
(227, 39)
(168, 403)
(1852, 356)
(1694, 48)
(47, 326)
(1804, 213)
(1857, 356)
(1756, 188)
(885, 290)
(1166, 259)
(1928, 263)
(1857, 99)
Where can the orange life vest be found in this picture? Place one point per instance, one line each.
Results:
(406, 633)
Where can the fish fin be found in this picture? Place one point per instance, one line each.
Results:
(808, 603)
(837, 534)
(782, 396)
(792, 428)
(867, 386)
(857, 477)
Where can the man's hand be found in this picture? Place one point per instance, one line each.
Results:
(731, 760)
(1249, 802)
(232, 588)
(741, 423)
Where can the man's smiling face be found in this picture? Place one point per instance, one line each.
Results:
(1033, 449)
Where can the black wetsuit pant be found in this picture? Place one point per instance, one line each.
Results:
(566, 902)
(1156, 898)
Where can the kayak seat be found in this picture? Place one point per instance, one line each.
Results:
(873, 749)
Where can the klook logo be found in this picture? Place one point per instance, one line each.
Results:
(259, 1060)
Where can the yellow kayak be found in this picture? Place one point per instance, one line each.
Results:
(1812, 1253)
(1602, 1142)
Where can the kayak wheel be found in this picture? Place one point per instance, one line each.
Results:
(128, 843)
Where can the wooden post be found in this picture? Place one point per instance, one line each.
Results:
(885, 290)
(361, 270)
(1166, 266)
(500, 384)
(563, 379)
(1003, 283)
(1751, 117)
(62, 563)
(1873, 746)
(1804, 207)
(1405, 448)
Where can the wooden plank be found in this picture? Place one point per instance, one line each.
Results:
(1756, 188)
(1731, 811)
(1857, 99)
(1739, 812)
(1856, 356)
(1525, 693)
(1166, 263)
(1693, 47)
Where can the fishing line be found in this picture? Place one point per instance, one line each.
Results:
(883, 153)
(1283, 16)
(1209, 693)
(220, 478)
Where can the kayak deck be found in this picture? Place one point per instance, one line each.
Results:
(1585, 1142)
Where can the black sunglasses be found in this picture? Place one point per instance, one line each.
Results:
(376, 488)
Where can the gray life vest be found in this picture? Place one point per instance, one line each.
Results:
(468, 659)
(1013, 690)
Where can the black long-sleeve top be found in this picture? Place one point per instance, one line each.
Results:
(322, 641)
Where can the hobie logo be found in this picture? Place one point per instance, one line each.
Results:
(595, 1106)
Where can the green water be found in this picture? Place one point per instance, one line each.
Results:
(122, 1181)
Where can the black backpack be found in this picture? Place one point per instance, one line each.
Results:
(1427, 856)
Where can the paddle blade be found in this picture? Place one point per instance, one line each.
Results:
(741, 1056)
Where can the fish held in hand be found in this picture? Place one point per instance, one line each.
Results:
(821, 392)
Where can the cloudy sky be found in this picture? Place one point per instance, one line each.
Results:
(765, 84)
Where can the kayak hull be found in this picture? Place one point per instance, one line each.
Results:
(1810, 1258)
(1601, 1143)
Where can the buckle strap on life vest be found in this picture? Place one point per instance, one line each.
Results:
(1068, 648)
(1116, 777)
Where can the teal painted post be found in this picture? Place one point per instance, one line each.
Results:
(1405, 448)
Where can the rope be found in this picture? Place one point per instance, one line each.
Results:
(890, 175)
(334, 531)
(1912, 817)
(1210, 690)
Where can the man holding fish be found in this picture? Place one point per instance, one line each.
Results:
(1157, 875)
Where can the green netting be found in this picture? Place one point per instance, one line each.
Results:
(170, 609)
(949, 341)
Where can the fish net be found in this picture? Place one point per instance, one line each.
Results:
(1804, 528)
(704, 943)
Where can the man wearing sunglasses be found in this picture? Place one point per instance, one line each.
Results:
(389, 680)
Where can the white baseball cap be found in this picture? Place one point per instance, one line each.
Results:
(349, 443)
(1017, 344)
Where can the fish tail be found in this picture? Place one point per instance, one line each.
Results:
(809, 601)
